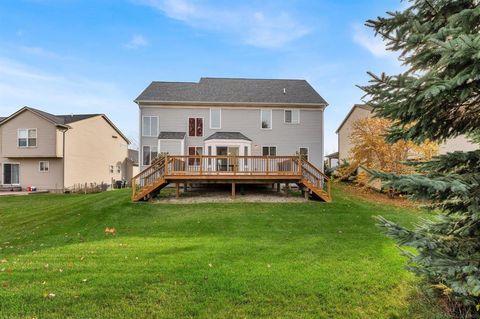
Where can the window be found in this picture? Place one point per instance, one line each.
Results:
(215, 118)
(150, 126)
(119, 168)
(292, 116)
(149, 154)
(27, 137)
(266, 118)
(269, 151)
(195, 126)
(43, 166)
(110, 169)
(194, 151)
(245, 150)
(304, 152)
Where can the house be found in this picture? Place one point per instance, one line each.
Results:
(230, 129)
(132, 167)
(360, 111)
(220, 116)
(55, 152)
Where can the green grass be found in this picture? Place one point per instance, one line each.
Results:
(237, 260)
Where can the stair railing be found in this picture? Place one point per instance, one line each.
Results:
(149, 175)
(315, 176)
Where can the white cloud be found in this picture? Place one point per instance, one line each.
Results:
(365, 38)
(136, 42)
(41, 52)
(22, 85)
(252, 26)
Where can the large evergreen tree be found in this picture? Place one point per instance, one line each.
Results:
(437, 97)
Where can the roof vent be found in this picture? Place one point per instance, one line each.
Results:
(284, 91)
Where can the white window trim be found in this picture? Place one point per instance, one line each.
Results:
(271, 119)
(276, 149)
(3, 170)
(210, 123)
(48, 166)
(150, 146)
(285, 117)
(188, 125)
(158, 125)
(28, 129)
(308, 151)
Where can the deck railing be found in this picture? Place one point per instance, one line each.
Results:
(216, 165)
(232, 165)
(316, 176)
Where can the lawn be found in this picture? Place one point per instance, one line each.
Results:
(235, 260)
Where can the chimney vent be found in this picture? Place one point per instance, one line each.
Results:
(284, 91)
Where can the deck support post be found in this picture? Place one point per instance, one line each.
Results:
(233, 190)
(185, 187)
(177, 193)
(306, 193)
(287, 188)
(278, 187)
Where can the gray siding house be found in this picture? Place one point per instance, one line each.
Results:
(227, 116)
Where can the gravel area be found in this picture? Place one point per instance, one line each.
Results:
(195, 196)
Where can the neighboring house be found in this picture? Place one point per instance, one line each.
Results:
(132, 167)
(331, 160)
(54, 152)
(360, 111)
(224, 116)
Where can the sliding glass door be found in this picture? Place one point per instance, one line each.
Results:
(11, 174)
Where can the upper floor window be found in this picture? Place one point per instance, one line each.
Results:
(195, 126)
(44, 166)
(215, 118)
(150, 126)
(266, 119)
(292, 116)
(27, 137)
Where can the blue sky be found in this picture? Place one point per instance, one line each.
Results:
(96, 56)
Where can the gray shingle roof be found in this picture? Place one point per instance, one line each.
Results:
(75, 117)
(2, 118)
(171, 135)
(227, 136)
(63, 119)
(233, 90)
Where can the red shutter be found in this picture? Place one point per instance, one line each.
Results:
(191, 127)
(191, 151)
(199, 127)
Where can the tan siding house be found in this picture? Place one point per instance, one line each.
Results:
(360, 111)
(54, 152)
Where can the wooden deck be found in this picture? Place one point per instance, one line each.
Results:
(233, 170)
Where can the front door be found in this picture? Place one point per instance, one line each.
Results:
(11, 174)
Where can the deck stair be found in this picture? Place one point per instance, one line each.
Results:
(200, 169)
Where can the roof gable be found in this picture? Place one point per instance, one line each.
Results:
(355, 106)
(233, 90)
(62, 120)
